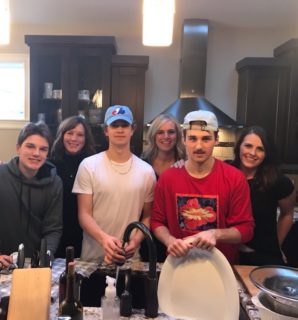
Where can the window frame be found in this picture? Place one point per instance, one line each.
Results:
(21, 58)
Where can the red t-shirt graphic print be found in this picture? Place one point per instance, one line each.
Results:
(196, 212)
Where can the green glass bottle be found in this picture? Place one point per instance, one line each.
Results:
(70, 306)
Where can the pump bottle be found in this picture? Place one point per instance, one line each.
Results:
(110, 303)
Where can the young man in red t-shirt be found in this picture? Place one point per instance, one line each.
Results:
(205, 203)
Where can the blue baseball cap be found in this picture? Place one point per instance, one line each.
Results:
(118, 112)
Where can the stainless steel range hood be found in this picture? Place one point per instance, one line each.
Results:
(193, 74)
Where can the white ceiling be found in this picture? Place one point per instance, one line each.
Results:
(240, 13)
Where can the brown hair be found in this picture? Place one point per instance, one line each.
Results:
(67, 124)
(30, 129)
(268, 171)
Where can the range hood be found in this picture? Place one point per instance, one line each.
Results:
(193, 75)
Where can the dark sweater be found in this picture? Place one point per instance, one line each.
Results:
(72, 232)
(31, 209)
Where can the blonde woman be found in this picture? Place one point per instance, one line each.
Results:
(165, 148)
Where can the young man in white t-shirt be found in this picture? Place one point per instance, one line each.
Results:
(114, 188)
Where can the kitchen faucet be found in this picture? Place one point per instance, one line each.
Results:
(151, 308)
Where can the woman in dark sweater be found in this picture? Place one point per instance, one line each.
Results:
(73, 143)
(256, 157)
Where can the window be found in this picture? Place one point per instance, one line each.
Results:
(14, 90)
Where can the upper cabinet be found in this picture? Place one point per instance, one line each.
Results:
(70, 64)
(68, 72)
(268, 96)
(128, 87)
(287, 54)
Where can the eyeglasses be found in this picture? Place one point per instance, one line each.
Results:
(170, 132)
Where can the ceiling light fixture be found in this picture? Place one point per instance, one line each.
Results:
(4, 22)
(158, 21)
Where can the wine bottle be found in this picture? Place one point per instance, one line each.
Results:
(69, 254)
(70, 306)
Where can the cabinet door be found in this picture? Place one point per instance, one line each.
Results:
(48, 65)
(287, 53)
(89, 71)
(128, 86)
(70, 64)
(263, 100)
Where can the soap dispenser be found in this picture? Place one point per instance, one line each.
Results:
(110, 302)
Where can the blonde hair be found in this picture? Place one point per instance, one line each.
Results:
(152, 150)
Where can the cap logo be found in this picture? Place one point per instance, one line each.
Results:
(118, 111)
(200, 123)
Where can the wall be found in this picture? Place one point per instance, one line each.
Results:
(8, 138)
(226, 46)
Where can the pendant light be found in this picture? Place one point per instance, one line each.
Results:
(4, 22)
(158, 21)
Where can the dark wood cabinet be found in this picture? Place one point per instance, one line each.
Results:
(128, 88)
(71, 63)
(75, 63)
(263, 96)
(268, 96)
(287, 54)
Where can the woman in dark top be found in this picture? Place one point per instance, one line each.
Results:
(73, 143)
(256, 157)
(165, 147)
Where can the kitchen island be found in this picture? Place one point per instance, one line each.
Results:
(245, 287)
(248, 310)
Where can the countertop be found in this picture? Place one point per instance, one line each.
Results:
(91, 313)
(242, 273)
(246, 290)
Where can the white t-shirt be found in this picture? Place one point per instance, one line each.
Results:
(118, 199)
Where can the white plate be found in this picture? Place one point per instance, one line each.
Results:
(199, 286)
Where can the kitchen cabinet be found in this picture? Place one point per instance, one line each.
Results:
(76, 63)
(263, 96)
(71, 63)
(287, 53)
(267, 96)
(128, 88)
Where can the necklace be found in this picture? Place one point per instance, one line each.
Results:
(126, 165)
